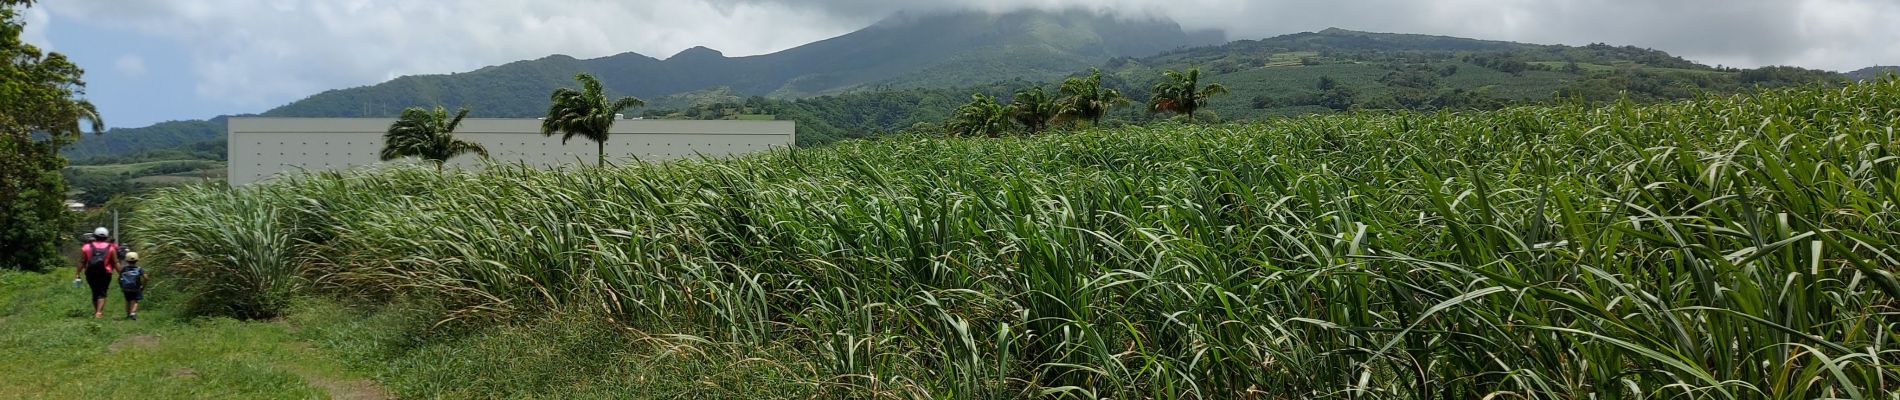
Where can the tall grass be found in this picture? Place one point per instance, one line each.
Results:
(1736, 247)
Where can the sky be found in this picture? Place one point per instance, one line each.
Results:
(153, 61)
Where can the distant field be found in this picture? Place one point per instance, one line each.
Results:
(144, 166)
(167, 180)
(1559, 65)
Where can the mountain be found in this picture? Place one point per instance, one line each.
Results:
(911, 70)
(934, 50)
(122, 141)
(1283, 76)
(1872, 72)
(904, 51)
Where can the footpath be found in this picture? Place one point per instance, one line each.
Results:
(52, 348)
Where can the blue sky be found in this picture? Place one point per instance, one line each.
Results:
(136, 80)
(153, 61)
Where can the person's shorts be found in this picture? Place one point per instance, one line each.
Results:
(99, 281)
(135, 295)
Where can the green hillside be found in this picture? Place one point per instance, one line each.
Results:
(1282, 76)
(936, 50)
(907, 71)
(118, 142)
(1872, 72)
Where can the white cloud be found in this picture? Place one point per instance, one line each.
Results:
(260, 53)
(35, 32)
(1829, 34)
(130, 65)
(265, 53)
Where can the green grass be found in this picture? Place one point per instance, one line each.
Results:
(563, 355)
(1727, 248)
(51, 348)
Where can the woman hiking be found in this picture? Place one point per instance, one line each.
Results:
(98, 259)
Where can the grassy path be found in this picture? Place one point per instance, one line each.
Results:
(51, 348)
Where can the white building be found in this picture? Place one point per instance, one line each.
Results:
(261, 148)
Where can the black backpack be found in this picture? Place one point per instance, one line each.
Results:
(129, 279)
(101, 252)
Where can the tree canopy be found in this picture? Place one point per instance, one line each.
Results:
(586, 113)
(983, 116)
(1033, 108)
(41, 110)
(429, 135)
(1182, 93)
(1084, 97)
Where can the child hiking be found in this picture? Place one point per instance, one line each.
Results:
(97, 261)
(132, 281)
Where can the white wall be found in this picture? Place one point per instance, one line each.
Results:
(264, 147)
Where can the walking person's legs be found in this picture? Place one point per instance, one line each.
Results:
(99, 281)
(132, 304)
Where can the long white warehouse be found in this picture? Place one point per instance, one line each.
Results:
(261, 148)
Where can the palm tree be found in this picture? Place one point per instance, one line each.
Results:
(586, 113)
(429, 135)
(1033, 108)
(983, 116)
(1084, 97)
(1182, 93)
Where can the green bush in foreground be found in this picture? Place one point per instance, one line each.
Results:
(1724, 248)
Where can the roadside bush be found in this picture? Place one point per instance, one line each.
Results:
(232, 252)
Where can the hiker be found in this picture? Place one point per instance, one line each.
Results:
(132, 284)
(97, 261)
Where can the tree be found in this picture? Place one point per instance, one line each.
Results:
(1182, 93)
(585, 113)
(429, 135)
(1085, 97)
(1033, 109)
(40, 112)
(983, 116)
(1334, 95)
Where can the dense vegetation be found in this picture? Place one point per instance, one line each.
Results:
(1731, 247)
(117, 143)
(41, 110)
(97, 184)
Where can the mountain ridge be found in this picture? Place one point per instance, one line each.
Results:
(1269, 76)
(905, 50)
(1035, 45)
(1873, 72)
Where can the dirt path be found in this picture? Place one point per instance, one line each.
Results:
(353, 389)
(339, 389)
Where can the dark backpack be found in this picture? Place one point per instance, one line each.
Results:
(129, 279)
(100, 254)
